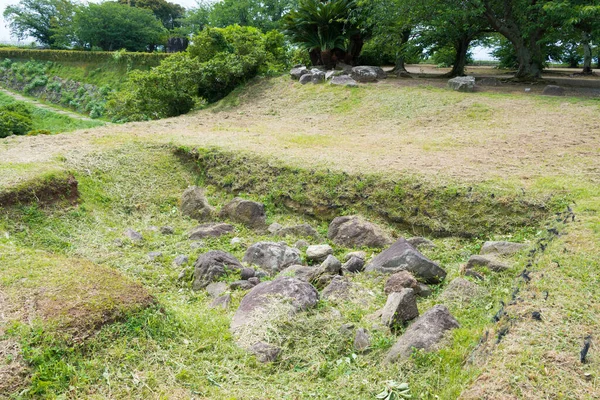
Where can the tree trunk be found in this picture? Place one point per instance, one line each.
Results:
(354, 49)
(587, 54)
(315, 57)
(460, 60)
(530, 59)
(326, 59)
(400, 67)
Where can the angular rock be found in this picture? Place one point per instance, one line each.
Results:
(216, 289)
(318, 77)
(301, 244)
(194, 204)
(332, 73)
(274, 228)
(400, 308)
(167, 230)
(399, 281)
(420, 242)
(255, 306)
(362, 340)
(306, 78)
(354, 265)
(343, 67)
(331, 266)
(338, 288)
(424, 333)
(318, 252)
(364, 74)
(249, 213)
(354, 231)
(460, 290)
(302, 230)
(241, 285)
(553, 90)
(210, 230)
(221, 302)
(301, 272)
(423, 290)
(211, 266)
(462, 84)
(343, 80)
(358, 254)
(476, 261)
(272, 257)
(401, 256)
(153, 255)
(247, 273)
(134, 236)
(180, 260)
(265, 352)
(502, 248)
(254, 280)
(297, 72)
(236, 241)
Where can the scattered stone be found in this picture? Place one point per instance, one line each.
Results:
(536, 315)
(301, 272)
(306, 78)
(194, 204)
(167, 230)
(318, 252)
(553, 90)
(153, 255)
(249, 213)
(118, 243)
(255, 306)
(400, 308)
(216, 289)
(302, 230)
(134, 236)
(236, 241)
(358, 254)
(318, 77)
(462, 84)
(222, 301)
(364, 74)
(401, 256)
(476, 261)
(343, 80)
(423, 290)
(211, 266)
(265, 352)
(271, 256)
(331, 266)
(247, 273)
(424, 333)
(260, 274)
(241, 285)
(460, 290)
(362, 340)
(354, 265)
(338, 288)
(254, 280)
(301, 244)
(420, 243)
(274, 228)
(502, 248)
(346, 329)
(210, 230)
(298, 71)
(354, 231)
(399, 281)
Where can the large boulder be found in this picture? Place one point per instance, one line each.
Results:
(343, 80)
(318, 77)
(272, 257)
(462, 84)
(354, 231)
(210, 230)
(211, 266)
(401, 256)
(424, 333)
(553, 90)
(307, 78)
(249, 213)
(364, 74)
(194, 204)
(400, 307)
(297, 72)
(501, 248)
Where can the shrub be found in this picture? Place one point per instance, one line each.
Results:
(15, 119)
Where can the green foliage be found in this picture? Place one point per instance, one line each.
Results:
(169, 14)
(135, 60)
(15, 119)
(219, 60)
(445, 56)
(263, 14)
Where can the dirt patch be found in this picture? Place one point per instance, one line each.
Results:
(42, 191)
(13, 370)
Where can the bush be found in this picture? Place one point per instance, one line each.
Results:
(15, 119)
(218, 61)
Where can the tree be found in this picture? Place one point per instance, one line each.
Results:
(263, 14)
(48, 21)
(169, 14)
(113, 26)
(196, 19)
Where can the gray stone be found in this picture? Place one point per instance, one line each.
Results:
(236, 241)
(216, 289)
(302, 230)
(198, 244)
(167, 230)
(553, 90)
(306, 78)
(272, 257)
(420, 243)
(332, 73)
(401, 256)
(301, 244)
(134, 236)
(213, 265)
(249, 213)
(462, 84)
(296, 294)
(346, 329)
(297, 72)
(254, 280)
(364, 74)
(180, 260)
(118, 243)
(194, 204)
(331, 266)
(424, 333)
(399, 281)
(400, 307)
(222, 302)
(183, 274)
(343, 80)
(210, 230)
(153, 255)
(354, 265)
(247, 273)
(338, 288)
(358, 254)
(318, 252)
(318, 77)
(274, 228)
(460, 290)
(354, 231)
(422, 290)
(362, 340)
(345, 68)
(301, 272)
(265, 352)
(493, 265)
(502, 248)
(260, 274)
(241, 285)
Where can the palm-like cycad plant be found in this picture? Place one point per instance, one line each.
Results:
(321, 27)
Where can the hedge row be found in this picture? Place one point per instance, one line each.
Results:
(98, 57)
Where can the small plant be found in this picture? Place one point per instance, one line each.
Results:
(394, 391)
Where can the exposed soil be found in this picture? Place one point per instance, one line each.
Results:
(42, 192)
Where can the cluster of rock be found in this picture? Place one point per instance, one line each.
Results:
(342, 75)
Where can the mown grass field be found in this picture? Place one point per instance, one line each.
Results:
(541, 148)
